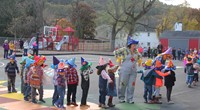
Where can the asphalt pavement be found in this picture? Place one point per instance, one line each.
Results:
(185, 98)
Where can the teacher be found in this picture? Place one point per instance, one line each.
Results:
(128, 71)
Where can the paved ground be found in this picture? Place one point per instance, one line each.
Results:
(184, 98)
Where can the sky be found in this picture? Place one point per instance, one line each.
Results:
(193, 3)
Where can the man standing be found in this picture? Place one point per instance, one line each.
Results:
(179, 54)
(174, 53)
(160, 48)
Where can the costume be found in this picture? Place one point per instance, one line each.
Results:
(128, 71)
(103, 79)
(72, 81)
(11, 69)
(149, 80)
(158, 81)
(189, 71)
(111, 88)
(60, 80)
(35, 78)
(170, 80)
(55, 67)
(86, 70)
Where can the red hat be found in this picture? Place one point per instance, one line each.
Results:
(112, 66)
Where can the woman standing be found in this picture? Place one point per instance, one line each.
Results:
(128, 71)
(25, 47)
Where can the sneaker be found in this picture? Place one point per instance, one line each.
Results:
(122, 101)
(84, 105)
(34, 102)
(189, 86)
(9, 91)
(131, 102)
(68, 103)
(57, 106)
(170, 102)
(99, 105)
(111, 105)
(104, 106)
(14, 91)
(41, 100)
(26, 99)
(74, 103)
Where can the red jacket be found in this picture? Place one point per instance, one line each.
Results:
(159, 82)
(72, 76)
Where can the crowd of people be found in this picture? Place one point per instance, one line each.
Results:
(66, 75)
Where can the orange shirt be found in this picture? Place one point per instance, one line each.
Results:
(159, 82)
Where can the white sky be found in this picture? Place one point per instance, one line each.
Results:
(193, 3)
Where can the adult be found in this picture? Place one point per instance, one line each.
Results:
(179, 54)
(11, 47)
(26, 47)
(160, 48)
(6, 48)
(21, 43)
(35, 48)
(149, 52)
(128, 72)
(174, 53)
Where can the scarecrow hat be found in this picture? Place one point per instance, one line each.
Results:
(111, 65)
(159, 65)
(198, 61)
(170, 66)
(12, 57)
(83, 62)
(84, 65)
(101, 61)
(55, 61)
(168, 51)
(148, 62)
(189, 59)
(71, 62)
(131, 41)
(61, 67)
(23, 60)
(29, 62)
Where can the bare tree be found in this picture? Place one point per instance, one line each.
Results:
(119, 21)
(135, 10)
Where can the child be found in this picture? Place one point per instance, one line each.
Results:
(27, 88)
(72, 81)
(196, 72)
(103, 79)
(159, 80)
(35, 78)
(149, 80)
(55, 67)
(10, 70)
(86, 70)
(169, 80)
(112, 91)
(190, 72)
(60, 85)
(22, 67)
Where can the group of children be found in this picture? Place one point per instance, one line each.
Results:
(66, 76)
(192, 68)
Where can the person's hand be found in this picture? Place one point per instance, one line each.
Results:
(111, 81)
(169, 72)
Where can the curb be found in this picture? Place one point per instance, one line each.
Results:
(20, 55)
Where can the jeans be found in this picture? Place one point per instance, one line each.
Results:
(156, 92)
(55, 94)
(11, 51)
(5, 53)
(85, 88)
(25, 52)
(189, 79)
(11, 83)
(102, 95)
(27, 90)
(61, 93)
(148, 92)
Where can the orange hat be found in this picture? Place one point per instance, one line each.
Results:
(170, 66)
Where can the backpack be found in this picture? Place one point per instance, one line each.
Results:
(149, 79)
(35, 80)
(189, 69)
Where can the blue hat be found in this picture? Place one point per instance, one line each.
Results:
(55, 61)
(71, 62)
(131, 41)
(29, 62)
(83, 60)
(198, 61)
(12, 57)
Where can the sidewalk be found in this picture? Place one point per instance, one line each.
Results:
(54, 52)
